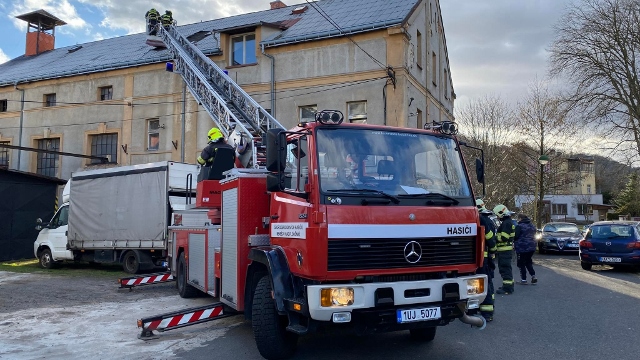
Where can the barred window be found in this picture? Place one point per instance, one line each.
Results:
(106, 93)
(49, 100)
(47, 163)
(4, 155)
(105, 145)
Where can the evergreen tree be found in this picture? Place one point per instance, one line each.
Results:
(628, 200)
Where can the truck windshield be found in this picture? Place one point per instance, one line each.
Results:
(396, 163)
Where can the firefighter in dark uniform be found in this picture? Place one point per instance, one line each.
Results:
(152, 17)
(487, 306)
(216, 141)
(504, 243)
(167, 19)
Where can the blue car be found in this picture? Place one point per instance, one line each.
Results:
(615, 243)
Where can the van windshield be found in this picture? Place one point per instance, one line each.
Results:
(397, 163)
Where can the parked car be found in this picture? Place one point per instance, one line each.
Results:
(559, 237)
(615, 243)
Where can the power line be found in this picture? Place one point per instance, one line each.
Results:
(328, 18)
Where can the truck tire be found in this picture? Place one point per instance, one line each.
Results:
(45, 259)
(269, 327)
(131, 263)
(184, 289)
(423, 334)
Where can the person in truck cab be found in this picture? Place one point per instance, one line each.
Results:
(216, 141)
(487, 306)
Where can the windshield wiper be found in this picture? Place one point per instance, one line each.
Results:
(373, 191)
(432, 195)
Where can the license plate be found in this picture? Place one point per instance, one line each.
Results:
(610, 259)
(572, 245)
(411, 315)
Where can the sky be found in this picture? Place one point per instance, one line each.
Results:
(495, 47)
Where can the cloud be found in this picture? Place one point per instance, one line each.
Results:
(129, 15)
(3, 57)
(62, 9)
(498, 46)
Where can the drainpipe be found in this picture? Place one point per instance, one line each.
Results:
(184, 106)
(273, 81)
(21, 122)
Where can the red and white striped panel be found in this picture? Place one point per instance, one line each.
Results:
(177, 320)
(146, 280)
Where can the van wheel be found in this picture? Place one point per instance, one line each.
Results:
(131, 263)
(423, 334)
(46, 260)
(184, 289)
(269, 327)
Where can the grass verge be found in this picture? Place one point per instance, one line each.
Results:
(64, 269)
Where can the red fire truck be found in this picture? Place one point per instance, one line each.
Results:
(356, 225)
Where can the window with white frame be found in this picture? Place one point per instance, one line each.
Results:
(307, 113)
(559, 209)
(153, 126)
(243, 49)
(585, 209)
(357, 111)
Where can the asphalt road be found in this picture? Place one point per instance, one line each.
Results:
(570, 314)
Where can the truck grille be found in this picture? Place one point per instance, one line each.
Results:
(364, 254)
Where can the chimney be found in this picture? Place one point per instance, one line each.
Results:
(277, 4)
(41, 31)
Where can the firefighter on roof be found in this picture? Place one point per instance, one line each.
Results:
(487, 306)
(506, 233)
(167, 19)
(216, 141)
(152, 17)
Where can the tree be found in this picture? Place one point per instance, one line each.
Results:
(597, 47)
(489, 123)
(628, 200)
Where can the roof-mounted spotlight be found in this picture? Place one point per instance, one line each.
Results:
(329, 117)
(445, 127)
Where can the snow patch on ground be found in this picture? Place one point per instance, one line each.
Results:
(101, 331)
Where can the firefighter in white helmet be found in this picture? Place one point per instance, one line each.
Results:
(504, 243)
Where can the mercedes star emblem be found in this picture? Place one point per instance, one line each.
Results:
(412, 252)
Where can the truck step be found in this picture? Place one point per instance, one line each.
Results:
(146, 279)
(298, 329)
(182, 318)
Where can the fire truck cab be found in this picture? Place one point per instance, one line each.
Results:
(350, 225)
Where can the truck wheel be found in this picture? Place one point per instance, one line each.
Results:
(423, 334)
(184, 289)
(269, 327)
(131, 263)
(46, 260)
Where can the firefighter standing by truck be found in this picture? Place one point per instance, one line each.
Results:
(504, 243)
(487, 306)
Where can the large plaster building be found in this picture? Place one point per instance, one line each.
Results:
(387, 64)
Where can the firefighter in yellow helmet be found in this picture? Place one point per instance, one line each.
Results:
(216, 141)
(152, 16)
(487, 306)
(167, 19)
(504, 243)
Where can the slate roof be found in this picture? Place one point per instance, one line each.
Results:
(352, 16)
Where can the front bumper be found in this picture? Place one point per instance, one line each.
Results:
(404, 294)
(553, 246)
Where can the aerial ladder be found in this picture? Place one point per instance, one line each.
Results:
(240, 118)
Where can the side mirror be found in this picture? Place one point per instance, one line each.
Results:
(480, 170)
(275, 182)
(276, 144)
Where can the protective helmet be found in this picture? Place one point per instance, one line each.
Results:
(501, 210)
(480, 205)
(168, 12)
(214, 135)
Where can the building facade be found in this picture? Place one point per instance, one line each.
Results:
(387, 64)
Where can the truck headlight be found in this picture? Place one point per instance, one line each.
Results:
(336, 297)
(475, 286)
